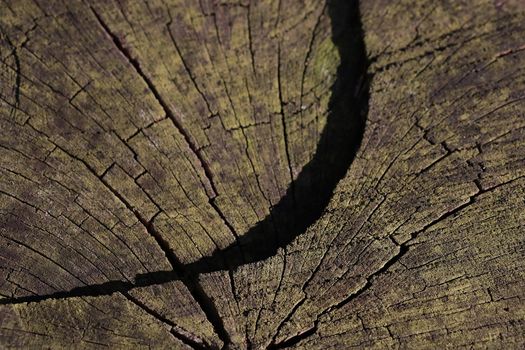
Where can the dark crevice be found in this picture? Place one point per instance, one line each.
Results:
(285, 132)
(273, 344)
(403, 250)
(178, 333)
(190, 281)
(250, 39)
(16, 58)
(168, 112)
(160, 100)
(295, 339)
(335, 152)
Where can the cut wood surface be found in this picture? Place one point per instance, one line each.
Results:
(262, 174)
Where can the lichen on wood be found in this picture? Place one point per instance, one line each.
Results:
(262, 174)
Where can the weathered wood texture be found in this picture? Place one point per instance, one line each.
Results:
(185, 174)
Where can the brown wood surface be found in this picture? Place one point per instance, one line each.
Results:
(250, 174)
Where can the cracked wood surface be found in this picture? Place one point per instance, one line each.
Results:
(181, 174)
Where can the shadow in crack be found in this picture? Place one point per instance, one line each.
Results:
(306, 197)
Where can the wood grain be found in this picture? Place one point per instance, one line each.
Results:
(262, 174)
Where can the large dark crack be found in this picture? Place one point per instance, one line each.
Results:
(335, 152)
(404, 248)
(190, 281)
(17, 69)
(187, 338)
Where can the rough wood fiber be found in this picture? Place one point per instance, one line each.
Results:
(181, 174)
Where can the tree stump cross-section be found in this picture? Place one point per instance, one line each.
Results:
(262, 174)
